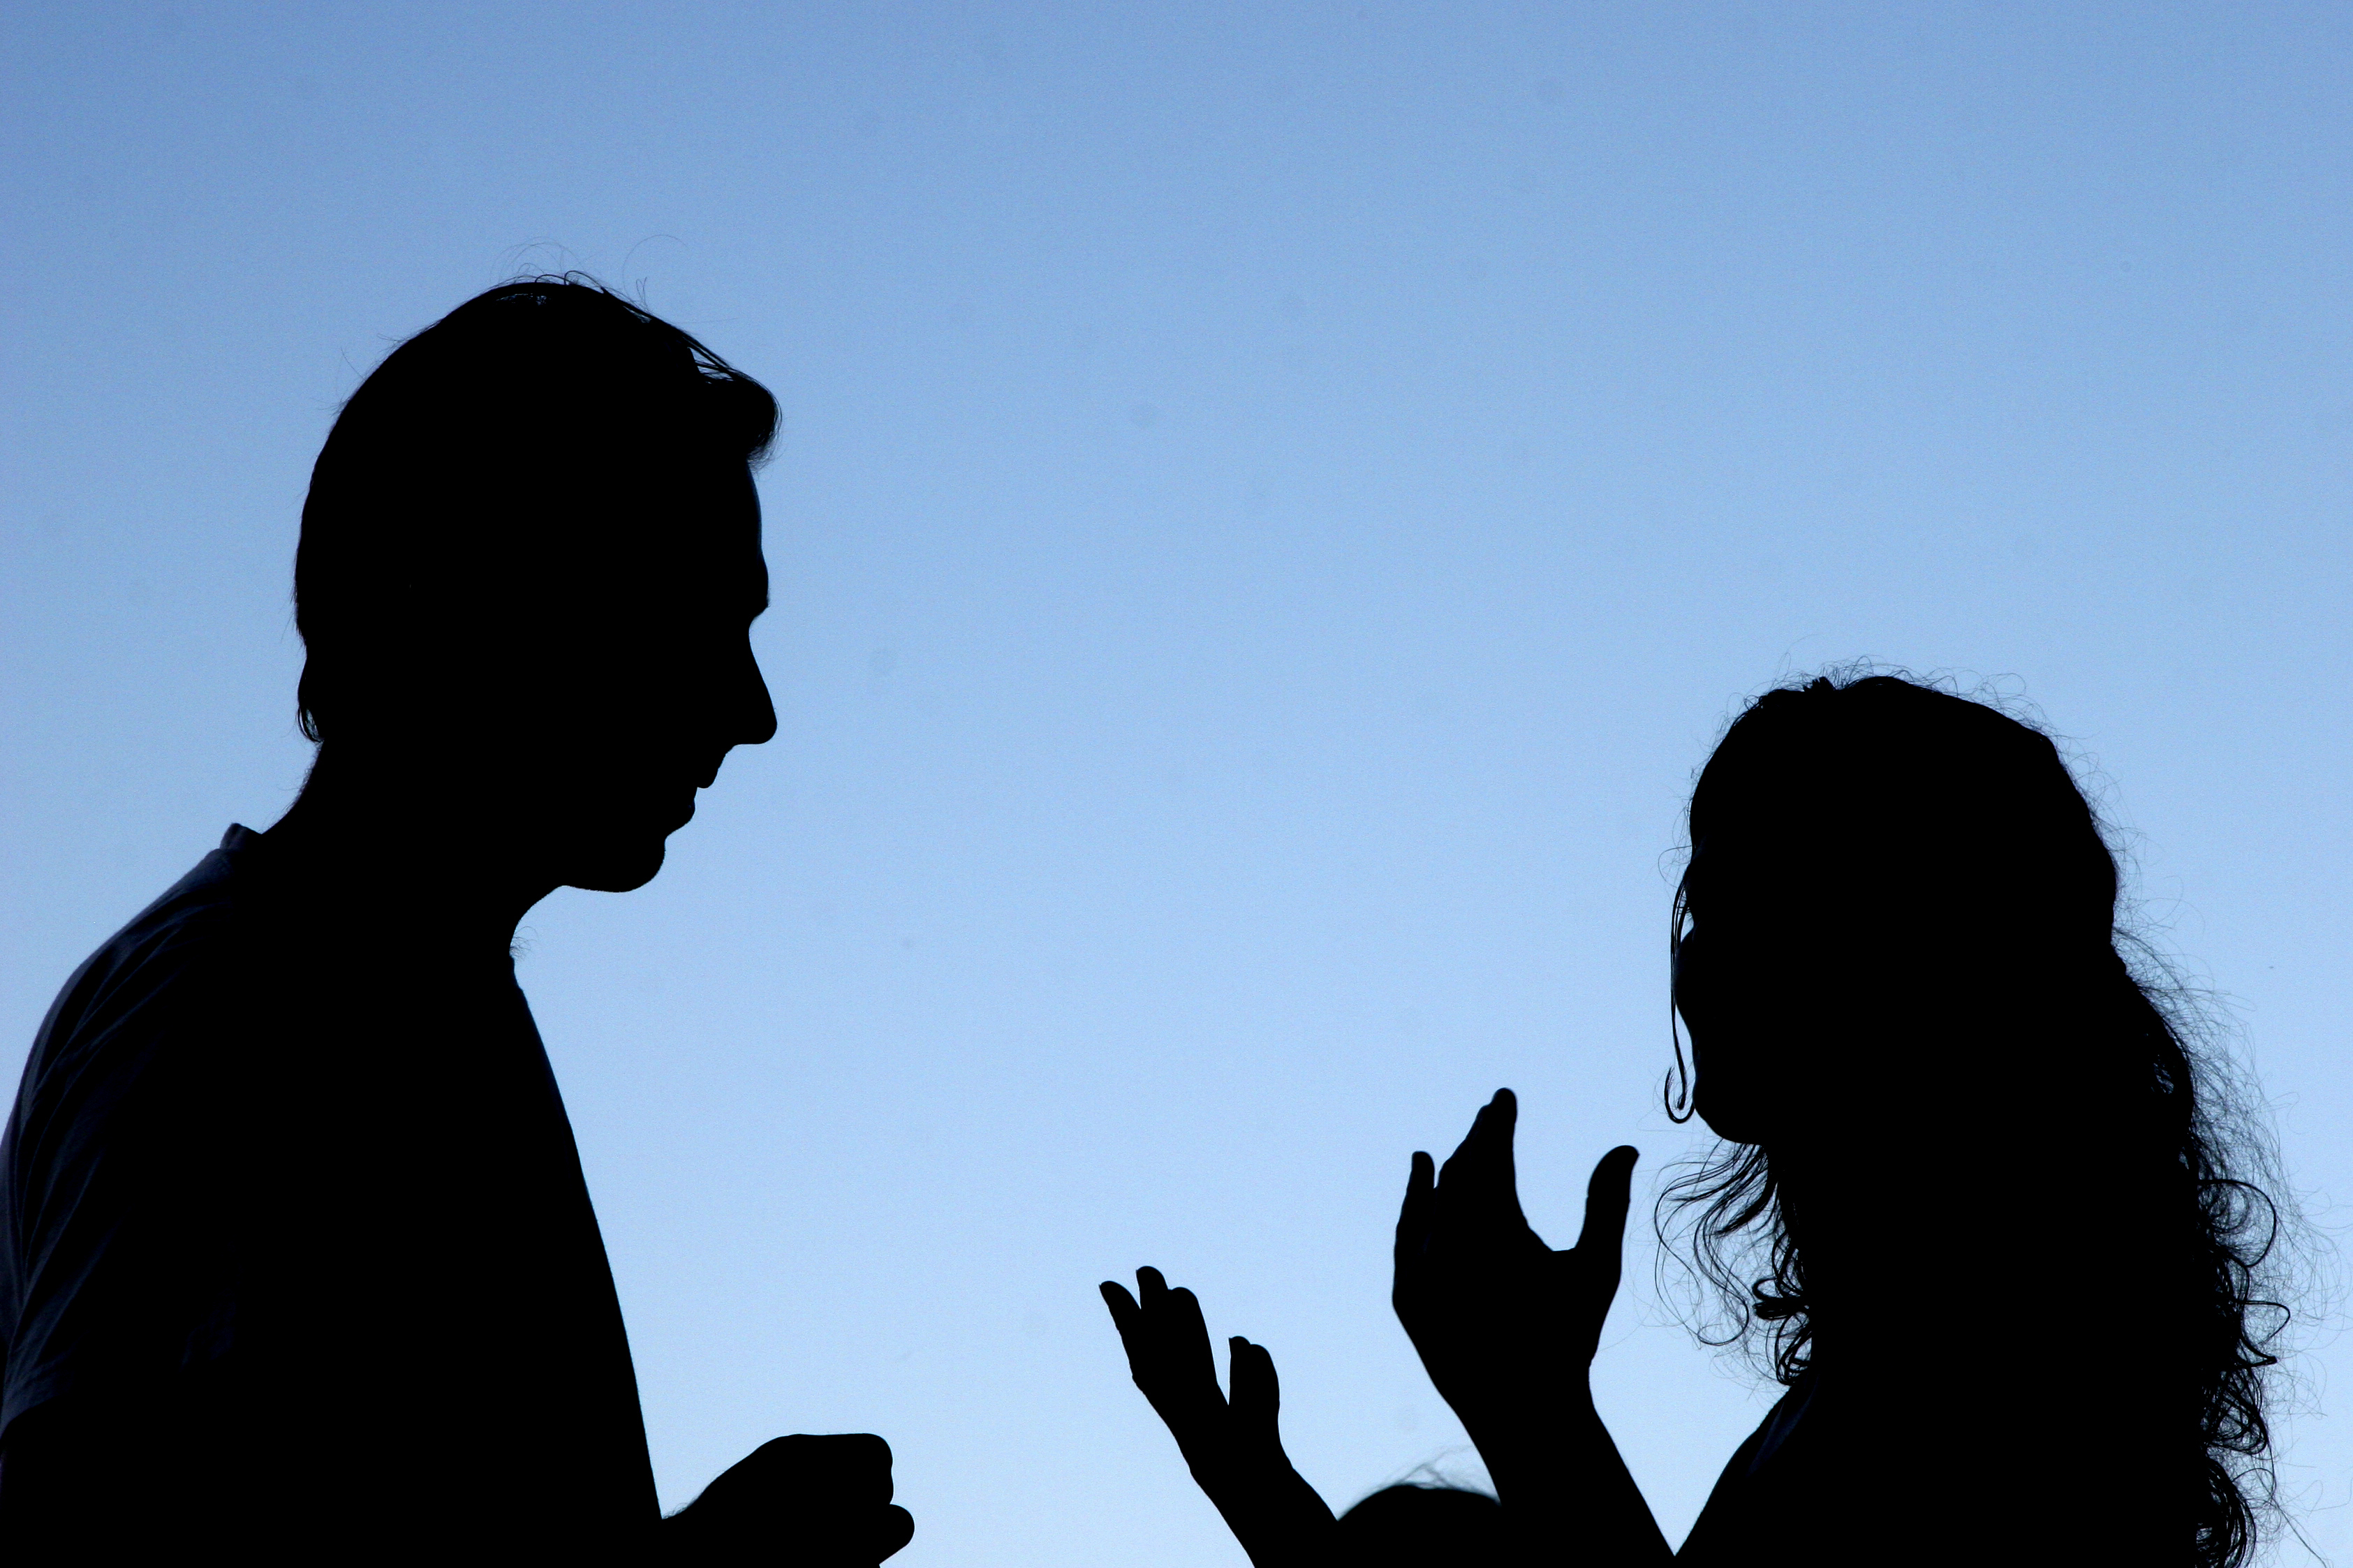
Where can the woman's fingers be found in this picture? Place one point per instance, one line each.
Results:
(1480, 1175)
(1408, 1262)
(1607, 1197)
(1486, 1148)
(1413, 1214)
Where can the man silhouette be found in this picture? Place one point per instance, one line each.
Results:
(296, 1259)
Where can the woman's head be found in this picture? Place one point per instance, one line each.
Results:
(1950, 1109)
(1879, 873)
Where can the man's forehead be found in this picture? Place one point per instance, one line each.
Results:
(663, 565)
(688, 512)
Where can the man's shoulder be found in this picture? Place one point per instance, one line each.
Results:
(103, 1185)
(144, 974)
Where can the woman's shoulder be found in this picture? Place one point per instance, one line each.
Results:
(1767, 1506)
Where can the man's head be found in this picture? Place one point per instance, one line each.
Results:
(529, 566)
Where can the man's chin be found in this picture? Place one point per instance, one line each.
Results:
(621, 848)
(619, 870)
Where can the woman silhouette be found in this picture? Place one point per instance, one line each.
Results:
(1975, 1196)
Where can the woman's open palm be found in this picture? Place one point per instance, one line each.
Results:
(1498, 1317)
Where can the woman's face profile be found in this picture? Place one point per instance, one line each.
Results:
(1774, 981)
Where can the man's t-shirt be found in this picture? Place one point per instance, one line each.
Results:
(288, 1178)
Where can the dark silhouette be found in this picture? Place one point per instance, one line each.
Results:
(1235, 1451)
(1417, 1525)
(296, 1259)
(1980, 1196)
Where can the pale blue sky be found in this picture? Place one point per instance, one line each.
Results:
(1276, 501)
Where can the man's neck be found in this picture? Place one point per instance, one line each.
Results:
(399, 833)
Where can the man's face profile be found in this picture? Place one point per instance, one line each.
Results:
(529, 566)
(640, 680)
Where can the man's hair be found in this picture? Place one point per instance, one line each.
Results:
(528, 436)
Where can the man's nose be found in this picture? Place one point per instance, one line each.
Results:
(755, 720)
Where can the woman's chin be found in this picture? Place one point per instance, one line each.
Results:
(1736, 1118)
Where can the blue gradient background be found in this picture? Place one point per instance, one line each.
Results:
(1276, 501)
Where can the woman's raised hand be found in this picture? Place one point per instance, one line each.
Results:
(1502, 1322)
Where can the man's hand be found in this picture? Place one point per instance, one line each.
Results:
(1234, 1448)
(1503, 1323)
(802, 1502)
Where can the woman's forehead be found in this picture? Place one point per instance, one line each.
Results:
(1786, 853)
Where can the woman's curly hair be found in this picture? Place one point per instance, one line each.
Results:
(2178, 1146)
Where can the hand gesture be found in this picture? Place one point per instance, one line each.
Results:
(810, 1502)
(1504, 1322)
(1232, 1446)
